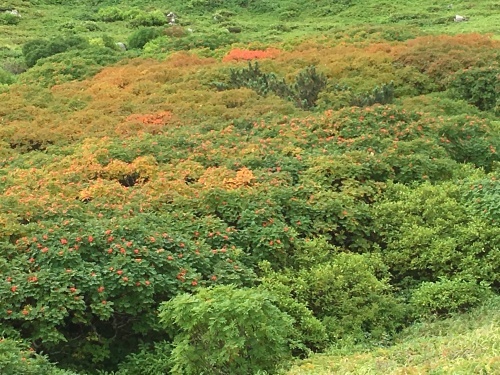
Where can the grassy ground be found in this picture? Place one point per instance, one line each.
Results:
(287, 21)
(466, 344)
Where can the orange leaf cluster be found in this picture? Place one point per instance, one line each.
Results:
(150, 123)
(160, 118)
(238, 54)
(244, 177)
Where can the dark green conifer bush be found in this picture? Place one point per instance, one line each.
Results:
(382, 95)
(303, 92)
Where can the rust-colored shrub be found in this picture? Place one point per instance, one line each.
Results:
(238, 54)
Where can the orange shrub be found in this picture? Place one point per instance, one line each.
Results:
(238, 54)
(440, 56)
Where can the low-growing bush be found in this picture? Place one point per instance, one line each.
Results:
(9, 19)
(142, 36)
(149, 360)
(428, 232)
(5, 77)
(470, 139)
(111, 14)
(211, 41)
(41, 48)
(350, 295)
(445, 297)
(70, 65)
(309, 334)
(483, 195)
(382, 95)
(478, 86)
(154, 18)
(303, 92)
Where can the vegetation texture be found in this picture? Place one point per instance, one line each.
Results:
(235, 187)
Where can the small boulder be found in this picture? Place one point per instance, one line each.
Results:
(121, 46)
(14, 12)
(171, 18)
(460, 18)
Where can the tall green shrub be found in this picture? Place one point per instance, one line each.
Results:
(225, 330)
(351, 294)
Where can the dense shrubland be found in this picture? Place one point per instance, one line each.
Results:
(229, 208)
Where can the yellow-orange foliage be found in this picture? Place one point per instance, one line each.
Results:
(149, 96)
(238, 54)
(244, 177)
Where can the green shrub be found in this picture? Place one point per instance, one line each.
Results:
(5, 77)
(205, 4)
(445, 296)
(41, 48)
(479, 86)
(470, 139)
(427, 232)
(154, 18)
(307, 87)
(148, 361)
(309, 334)
(70, 65)
(303, 92)
(14, 65)
(382, 95)
(9, 19)
(71, 302)
(225, 330)
(16, 359)
(139, 38)
(351, 295)
(210, 41)
(110, 14)
(483, 195)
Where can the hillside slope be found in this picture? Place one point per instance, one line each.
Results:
(255, 183)
(465, 344)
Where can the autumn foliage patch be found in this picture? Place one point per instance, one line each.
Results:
(148, 183)
(238, 54)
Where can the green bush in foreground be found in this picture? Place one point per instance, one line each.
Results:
(9, 19)
(427, 233)
(225, 330)
(351, 296)
(16, 359)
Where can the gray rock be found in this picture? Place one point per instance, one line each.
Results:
(121, 46)
(14, 12)
(171, 18)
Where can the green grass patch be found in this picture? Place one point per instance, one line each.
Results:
(464, 344)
